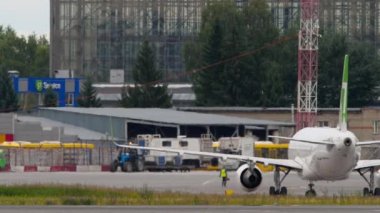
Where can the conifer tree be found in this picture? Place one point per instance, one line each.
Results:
(50, 98)
(88, 94)
(148, 91)
(8, 97)
(229, 31)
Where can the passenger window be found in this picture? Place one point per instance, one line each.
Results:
(166, 143)
(183, 144)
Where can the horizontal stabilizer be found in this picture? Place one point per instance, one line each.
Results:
(364, 143)
(303, 141)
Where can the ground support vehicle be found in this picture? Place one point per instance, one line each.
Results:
(161, 165)
(129, 160)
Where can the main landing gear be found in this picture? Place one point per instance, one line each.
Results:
(370, 190)
(277, 189)
(311, 192)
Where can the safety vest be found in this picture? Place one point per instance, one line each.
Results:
(223, 173)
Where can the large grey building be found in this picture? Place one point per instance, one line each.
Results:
(95, 36)
(127, 123)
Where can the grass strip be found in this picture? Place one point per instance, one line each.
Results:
(88, 195)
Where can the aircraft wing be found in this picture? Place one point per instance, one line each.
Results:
(303, 141)
(362, 164)
(278, 162)
(364, 143)
(266, 161)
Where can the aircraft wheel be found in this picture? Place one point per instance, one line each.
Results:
(366, 192)
(128, 167)
(377, 192)
(311, 193)
(124, 167)
(272, 190)
(283, 191)
(140, 165)
(114, 165)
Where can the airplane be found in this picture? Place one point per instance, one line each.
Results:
(315, 153)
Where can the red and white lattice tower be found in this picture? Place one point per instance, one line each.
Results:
(307, 64)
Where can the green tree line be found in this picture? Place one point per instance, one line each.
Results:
(28, 55)
(268, 77)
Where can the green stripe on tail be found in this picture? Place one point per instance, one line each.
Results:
(343, 97)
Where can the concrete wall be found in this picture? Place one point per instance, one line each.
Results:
(6, 123)
(33, 132)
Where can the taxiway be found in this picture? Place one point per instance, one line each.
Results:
(192, 182)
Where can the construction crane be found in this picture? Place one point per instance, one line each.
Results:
(307, 64)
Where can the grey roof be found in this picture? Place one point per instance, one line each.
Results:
(170, 116)
(109, 97)
(175, 96)
(82, 133)
(255, 109)
(183, 97)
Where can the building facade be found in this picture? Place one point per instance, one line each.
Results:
(363, 122)
(95, 36)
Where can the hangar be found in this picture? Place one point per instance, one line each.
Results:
(126, 123)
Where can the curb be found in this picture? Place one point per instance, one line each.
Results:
(30, 168)
(58, 168)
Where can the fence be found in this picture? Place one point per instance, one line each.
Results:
(58, 156)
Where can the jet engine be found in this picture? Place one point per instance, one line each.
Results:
(249, 179)
(347, 141)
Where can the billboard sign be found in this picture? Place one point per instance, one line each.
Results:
(116, 76)
(42, 84)
(58, 85)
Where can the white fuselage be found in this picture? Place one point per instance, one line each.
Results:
(324, 162)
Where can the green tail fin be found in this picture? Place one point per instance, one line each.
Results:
(343, 97)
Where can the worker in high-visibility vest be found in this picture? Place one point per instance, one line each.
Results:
(223, 175)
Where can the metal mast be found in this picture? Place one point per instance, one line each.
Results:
(307, 63)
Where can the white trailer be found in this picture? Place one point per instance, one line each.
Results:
(235, 145)
(172, 160)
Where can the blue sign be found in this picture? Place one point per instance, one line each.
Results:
(42, 84)
(58, 85)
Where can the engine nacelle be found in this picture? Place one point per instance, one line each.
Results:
(249, 180)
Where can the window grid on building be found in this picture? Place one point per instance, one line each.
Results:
(94, 36)
(376, 126)
(323, 123)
